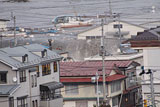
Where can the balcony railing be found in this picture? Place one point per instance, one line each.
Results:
(55, 96)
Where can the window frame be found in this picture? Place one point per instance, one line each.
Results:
(55, 66)
(115, 86)
(22, 75)
(48, 69)
(3, 76)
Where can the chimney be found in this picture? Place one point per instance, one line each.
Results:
(50, 43)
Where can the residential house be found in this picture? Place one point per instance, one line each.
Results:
(29, 77)
(79, 89)
(148, 42)
(3, 24)
(112, 29)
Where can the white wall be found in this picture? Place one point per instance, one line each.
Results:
(109, 29)
(3, 24)
(151, 61)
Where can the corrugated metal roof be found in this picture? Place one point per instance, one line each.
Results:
(87, 68)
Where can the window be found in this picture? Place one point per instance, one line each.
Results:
(36, 103)
(115, 86)
(55, 66)
(32, 77)
(33, 104)
(34, 80)
(46, 69)
(22, 75)
(115, 102)
(100, 89)
(71, 89)
(3, 77)
(37, 70)
(117, 26)
(11, 101)
(22, 101)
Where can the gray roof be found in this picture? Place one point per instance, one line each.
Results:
(6, 90)
(7, 55)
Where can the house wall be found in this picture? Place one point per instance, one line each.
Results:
(89, 92)
(84, 91)
(3, 24)
(109, 28)
(151, 61)
(53, 103)
(10, 73)
(73, 103)
(5, 103)
(25, 88)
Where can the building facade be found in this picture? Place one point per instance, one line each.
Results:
(112, 29)
(148, 42)
(79, 90)
(29, 77)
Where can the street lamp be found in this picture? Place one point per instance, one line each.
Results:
(95, 79)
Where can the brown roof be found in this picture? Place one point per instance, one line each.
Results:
(148, 38)
(86, 68)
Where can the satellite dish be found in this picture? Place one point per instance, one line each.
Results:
(14, 79)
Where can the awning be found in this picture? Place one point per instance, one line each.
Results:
(51, 86)
(3, 71)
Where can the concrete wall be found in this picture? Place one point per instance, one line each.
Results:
(109, 28)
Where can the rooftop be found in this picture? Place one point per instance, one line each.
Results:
(12, 56)
(89, 68)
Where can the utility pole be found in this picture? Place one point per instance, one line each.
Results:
(119, 29)
(103, 67)
(110, 9)
(14, 24)
(152, 88)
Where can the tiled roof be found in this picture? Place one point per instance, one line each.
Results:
(88, 79)
(89, 68)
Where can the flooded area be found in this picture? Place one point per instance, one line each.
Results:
(40, 13)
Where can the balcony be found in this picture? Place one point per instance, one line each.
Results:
(57, 102)
(50, 97)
